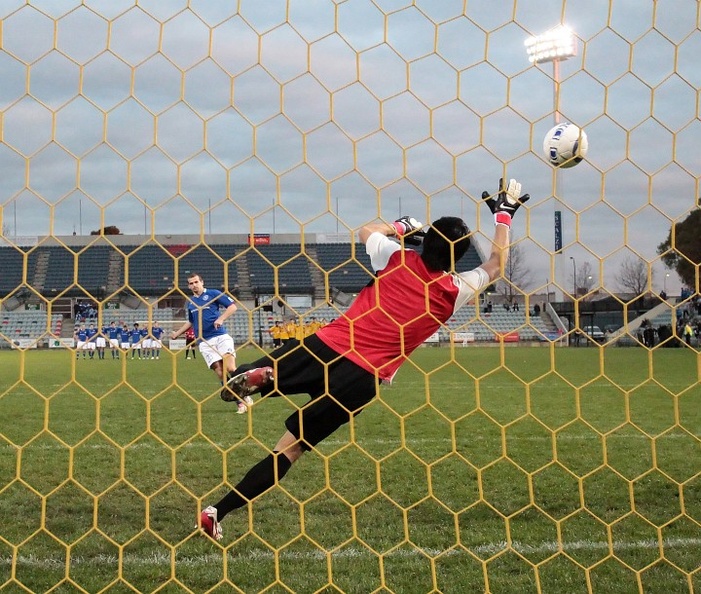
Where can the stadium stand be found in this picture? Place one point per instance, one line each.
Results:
(93, 267)
(292, 267)
(29, 324)
(60, 269)
(343, 271)
(151, 269)
(215, 263)
(11, 262)
(130, 316)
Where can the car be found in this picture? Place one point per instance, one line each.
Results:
(594, 332)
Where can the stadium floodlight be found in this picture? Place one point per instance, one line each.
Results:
(554, 45)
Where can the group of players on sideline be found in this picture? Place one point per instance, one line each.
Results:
(141, 342)
(283, 331)
(146, 343)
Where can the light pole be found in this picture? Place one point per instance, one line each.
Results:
(665, 282)
(574, 277)
(554, 46)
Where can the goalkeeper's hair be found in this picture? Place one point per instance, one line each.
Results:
(445, 243)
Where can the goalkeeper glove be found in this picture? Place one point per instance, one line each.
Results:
(410, 229)
(507, 202)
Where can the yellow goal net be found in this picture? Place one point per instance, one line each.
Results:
(546, 439)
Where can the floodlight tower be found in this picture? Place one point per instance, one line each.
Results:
(554, 46)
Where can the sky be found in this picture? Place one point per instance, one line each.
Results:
(317, 116)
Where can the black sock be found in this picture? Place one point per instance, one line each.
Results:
(258, 479)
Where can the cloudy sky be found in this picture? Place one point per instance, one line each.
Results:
(198, 116)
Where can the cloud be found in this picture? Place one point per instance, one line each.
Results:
(290, 113)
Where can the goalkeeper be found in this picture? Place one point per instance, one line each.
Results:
(342, 364)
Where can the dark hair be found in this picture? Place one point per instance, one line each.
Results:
(445, 243)
(195, 274)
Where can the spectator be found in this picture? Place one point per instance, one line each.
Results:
(688, 333)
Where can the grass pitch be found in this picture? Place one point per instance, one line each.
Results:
(485, 469)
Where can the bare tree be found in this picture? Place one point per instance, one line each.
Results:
(634, 275)
(583, 277)
(518, 276)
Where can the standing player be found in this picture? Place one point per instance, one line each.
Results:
(216, 346)
(190, 343)
(136, 338)
(124, 338)
(341, 365)
(156, 344)
(113, 337)
(81, 341)
(101, 342)
(145, 342)
(92, 337)
(284, 334)
(290, 330)
(275, 331)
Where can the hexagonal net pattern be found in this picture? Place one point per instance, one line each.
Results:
(248, 142)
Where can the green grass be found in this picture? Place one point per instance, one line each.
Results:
(502, 470)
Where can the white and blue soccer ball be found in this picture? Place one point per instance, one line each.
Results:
(565, 145)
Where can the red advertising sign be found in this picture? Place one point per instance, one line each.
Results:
(259, 239)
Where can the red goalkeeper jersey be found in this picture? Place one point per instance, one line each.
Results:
(404, 305)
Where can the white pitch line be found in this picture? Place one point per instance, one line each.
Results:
(161, 559)
(362, 442)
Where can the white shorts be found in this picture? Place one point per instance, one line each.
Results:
(114, 343)
(136, 345)
(214, 349)
(100, 342)
(125, 346)
(91, 346)
(156, 344)
(81, 345)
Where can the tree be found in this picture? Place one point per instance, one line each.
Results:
(633, 276)
(683, 253)
(584, 278)
(111, 230)
(517, 274)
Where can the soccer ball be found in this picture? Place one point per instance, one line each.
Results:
(565, 145)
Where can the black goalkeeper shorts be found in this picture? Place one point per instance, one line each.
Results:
(339, 388)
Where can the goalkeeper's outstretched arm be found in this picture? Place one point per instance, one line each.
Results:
(503, 206)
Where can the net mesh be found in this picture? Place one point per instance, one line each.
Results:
(143, 141)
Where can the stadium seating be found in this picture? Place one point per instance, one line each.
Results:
(60, 269)
(292, 267)
(29, 324)
(130, 316)
(151, 270)
(344, 272)
(215, 263)
(487, 326)
(93, 267)
(11, 262)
